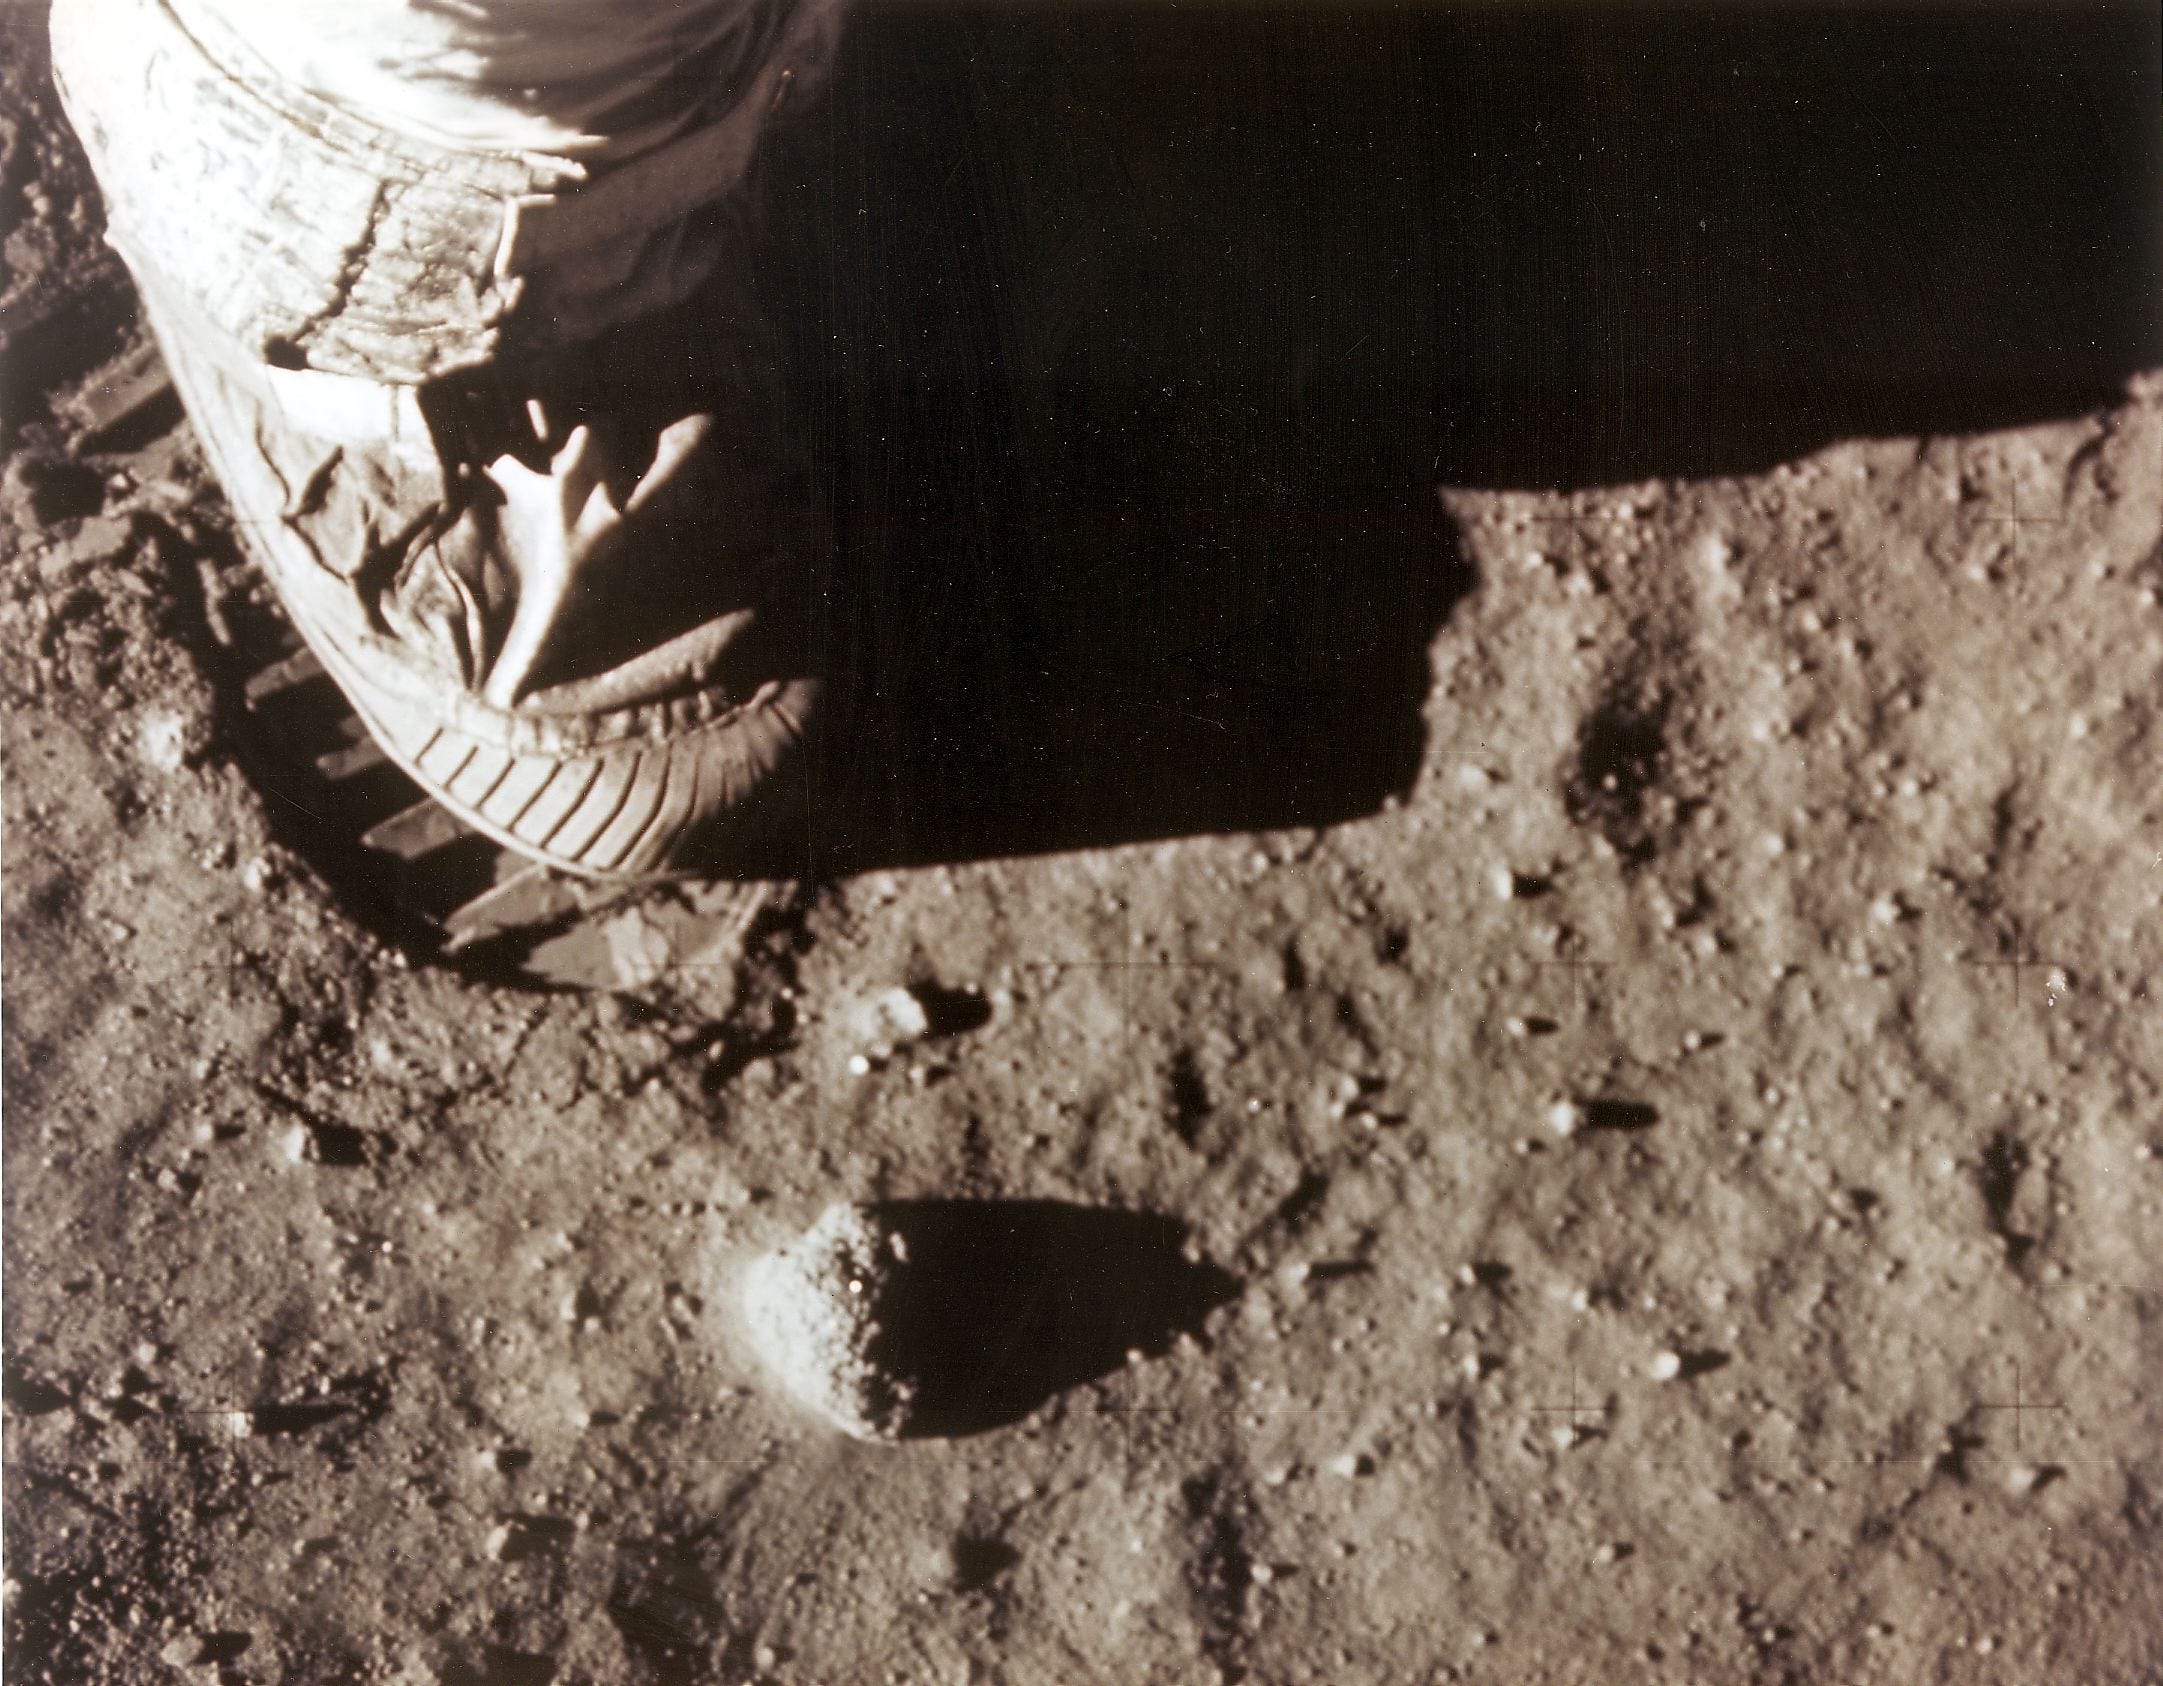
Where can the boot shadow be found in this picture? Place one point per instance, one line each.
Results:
(1135, 342)
(1009, 1303)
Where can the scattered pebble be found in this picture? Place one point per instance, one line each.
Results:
(183, 1650)
(1565, 1118)
(1665, 1366)
(161, 740)
(2023, 1479)
(890, 1019)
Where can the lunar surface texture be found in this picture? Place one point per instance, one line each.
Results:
(1472, 992)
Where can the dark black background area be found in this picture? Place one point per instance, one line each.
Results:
(1136, 343)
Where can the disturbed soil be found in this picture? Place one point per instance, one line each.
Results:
(1572, 1077)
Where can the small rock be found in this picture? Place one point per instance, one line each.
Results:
(890, 1019)
(1565, 1118)
(161, 740)
(1665, 1366)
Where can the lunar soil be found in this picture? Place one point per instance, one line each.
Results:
(1668, 1190)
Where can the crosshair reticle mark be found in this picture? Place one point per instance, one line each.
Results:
(1585, 972)
(2013, 517)
(1126, 970)
(2022, 959)
(2018, 1405)
(1575, 1409)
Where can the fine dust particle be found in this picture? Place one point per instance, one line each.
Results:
(812, 1311)
(1665, 1366)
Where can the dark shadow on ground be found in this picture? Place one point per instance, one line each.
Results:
(1139, 339)
(1010, 1302)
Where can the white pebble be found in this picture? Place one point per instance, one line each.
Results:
(1665, 1366)
(161, 739)
(892, 1017)
(1565, 1118)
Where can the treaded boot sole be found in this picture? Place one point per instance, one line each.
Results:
(682, 789)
